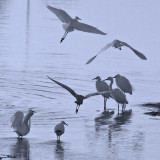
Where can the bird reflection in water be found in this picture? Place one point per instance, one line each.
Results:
(103, 119)
(59, 151)
(21, 149)
(120, 120)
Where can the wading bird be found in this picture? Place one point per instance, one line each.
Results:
(22, 124)
(79, 98)
(59, 129)
(102, 86)
(117, 95)
(117, 44)
(70, 24)
(123, 83)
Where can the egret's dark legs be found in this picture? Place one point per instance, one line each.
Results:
(118, 108)
(65, 34)
(104, 104)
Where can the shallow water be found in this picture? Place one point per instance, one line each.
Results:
(30, 50)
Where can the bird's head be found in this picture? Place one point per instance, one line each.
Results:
(97, 78)
(63, 122)
(77, 18)
(118, 75)
(109, 78)
(31, 111)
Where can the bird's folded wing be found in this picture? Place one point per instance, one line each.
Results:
(61, 14)
(103, 49)
(87, 28)
(17, 119)
(139, 54)
(65, 87)
(95, 94)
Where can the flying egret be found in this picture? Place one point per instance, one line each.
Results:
(70, 24)
(22, 124)
(59, 129)
(123, 83)
(79, 98)
(117, 44)
(102, 86)
(117, 95)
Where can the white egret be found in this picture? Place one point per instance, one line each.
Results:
(117, 95)
(102, 86)
(70, 24)
(22, 124)
(59, 129)
(117, 44)
(79, 98)
(123, 83)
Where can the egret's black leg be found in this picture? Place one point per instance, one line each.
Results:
(104, 104)
(118, 108)
(65, 34)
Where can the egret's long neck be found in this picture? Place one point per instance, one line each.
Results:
(27, 117)
(110, 86)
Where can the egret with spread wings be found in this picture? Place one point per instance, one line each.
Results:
(70, 24)
(117, 44)
(79, 98)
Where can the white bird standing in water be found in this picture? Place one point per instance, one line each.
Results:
(117, 44)
(70, 24)
(22, 124)
(102, 86)
(123, 83)
(59, 129)
(117, 95)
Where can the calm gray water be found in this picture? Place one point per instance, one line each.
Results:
(30, 50)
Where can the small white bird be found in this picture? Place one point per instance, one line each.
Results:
(123, 83)
(59, 129)
(22, 124)
(117, 44)
(70, 24)
(117, 95)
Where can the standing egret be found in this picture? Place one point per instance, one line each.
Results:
(69, 24)
(22, 124)
(79, 98)
(102, 86)
(117, 44)
(59, 129)
(117, 95)
(123, 83)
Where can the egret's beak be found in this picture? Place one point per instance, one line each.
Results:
(94, 78)
(114, 76)
(79, 18)
(34, 111)
(105, 79)
(66, 124)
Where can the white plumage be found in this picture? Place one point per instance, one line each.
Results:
(21, 124)
(70, 24)
(117, 95)
(123, 83)
(102, 86)
(59, 129)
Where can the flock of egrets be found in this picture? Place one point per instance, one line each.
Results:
(21, 123)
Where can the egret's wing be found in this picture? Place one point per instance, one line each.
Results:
(61, 14)
(103, 49)
(140, 55)
(87, 28)
(65, 87)
(95, 94)
(17, 119)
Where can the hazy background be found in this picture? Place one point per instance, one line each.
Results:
(30, 50)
